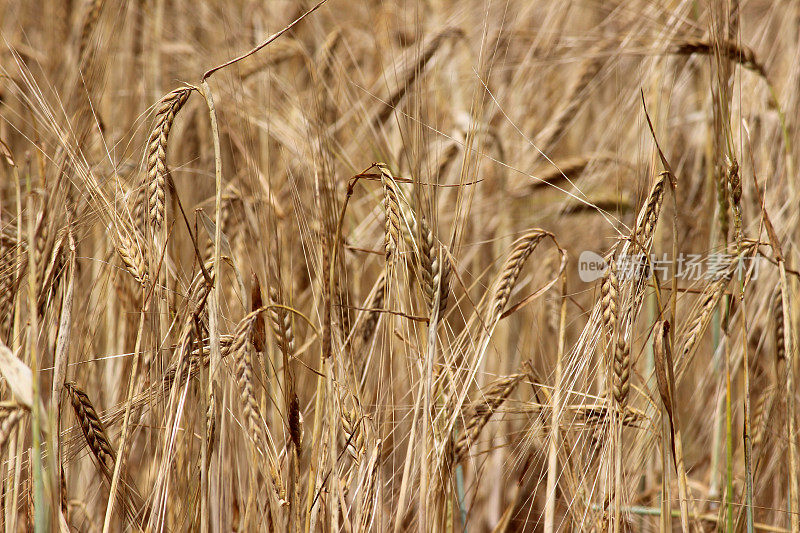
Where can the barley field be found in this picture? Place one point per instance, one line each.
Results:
(433, 266)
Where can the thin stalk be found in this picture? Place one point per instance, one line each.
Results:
(213, 320)
(794, 503)
(666, 466)
(728, 431)
(552, 459)
(126, 420)
(427, 422)
(655, 511)
(462, 504)
(748, 442)
(41, 513)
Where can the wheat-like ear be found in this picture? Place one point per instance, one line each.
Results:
(563, 171)
(699, 321)
(609, 298)
(622, 370)
(200, 288)
(777, 321)
(412, 72)
(279, 51)
(259, 334)
(604, 203)
(99, 444)
(435, 268)
(52, 274)
(281, 321)
(558, 124)
(475, 417)
(243, 372)
(325, 52)
(89, 22)
(169, 107)
(93, 429)
(621, 361)
(10, 414)
(736, 52)
(375, 305)
(648, 215)
(480, 412)
(8, 274)
(132, 258)
(225, 215)
(512, 268)
(391, 203)
(296, 424)
(353, 436)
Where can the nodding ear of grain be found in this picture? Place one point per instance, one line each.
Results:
(353, 436)
(564, 171)
(89, 22)
(374, 306)
(10, 414)
(169, 107)
(777, 320)
(200, 288)
(622, 370)
(412, 72)
(723, 204)
(735, 186)
(92, 427)
(281, 321)
(391, 203)
(52, 274)
(324, 54)
(243, 372)
(512, 268)
(225, 214)
(279, 51)
(435, 268)
(588, 70)
(132, 258)
(736, 52)
(710, 298)
(446, 159)
(443, 281)
(481, 411)
(211, 420)
(296, 429)
(7, 289)
(427, 260)
(259, 337)
(99, 444)
(613, 204)
(662, 354)
(476, 415)
(648, 216)
(761, 415)
(609, 293)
